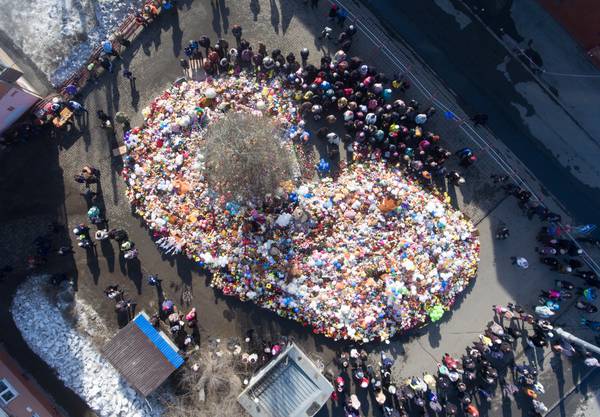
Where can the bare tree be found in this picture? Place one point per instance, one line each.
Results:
(209, 390)
(245, 157)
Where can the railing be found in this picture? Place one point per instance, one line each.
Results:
(127, 30)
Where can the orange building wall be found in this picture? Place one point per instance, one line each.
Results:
(30, 395)
(581, 18)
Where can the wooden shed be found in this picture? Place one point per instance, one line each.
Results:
(143, 355)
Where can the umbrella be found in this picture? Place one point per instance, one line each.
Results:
(436, 313)
(167, 305)
(93, 212)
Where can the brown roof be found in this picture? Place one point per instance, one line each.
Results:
(138, 359)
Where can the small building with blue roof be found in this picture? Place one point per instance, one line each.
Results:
(144, 355)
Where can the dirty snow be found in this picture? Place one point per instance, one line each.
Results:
(59, 35)
(72, 354)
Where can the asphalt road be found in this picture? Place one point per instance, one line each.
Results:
(485, 79)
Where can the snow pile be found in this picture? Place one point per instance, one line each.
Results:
(60, 35)
(77, 361)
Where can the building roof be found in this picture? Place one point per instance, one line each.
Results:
(290, 386)
(143, 355)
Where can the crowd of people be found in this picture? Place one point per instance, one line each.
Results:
(178, 323)
(360, 257)
(460, 385)
(344, 88)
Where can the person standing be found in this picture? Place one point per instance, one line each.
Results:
(326, 33)
(104, 119)
(106, 63)
(502, 233)
(76, 107)
(107, 48)
(351, 31)
(520, 261)
(341, 15)
(153, 281)
(236, 31)
(128, 74)
(333, 10)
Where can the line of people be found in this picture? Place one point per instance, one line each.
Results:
(90, 175)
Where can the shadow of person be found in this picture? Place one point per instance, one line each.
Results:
(177, 34)
(216, 17)
(186, 3)
(434, 335)
(196, 334)
(506, 406)
(363, 397)
(146, 48)
(254, 9)
(83, 120)
(287, 13)
(123, 318)
(274, 16)
(160, 294)
(134, 272)
(556, 364)
(98, 199)
(451, 190)
(184, 269)
(109, 254)
(229, 315)
(122, 263)
(224, 15)
(135, 96)
(92, 263)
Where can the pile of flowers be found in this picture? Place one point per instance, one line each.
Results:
(361, 257)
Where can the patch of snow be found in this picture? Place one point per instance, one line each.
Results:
(462, 19)
(76, 360)
(60, 35)
(503, 67)
(88, 322)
